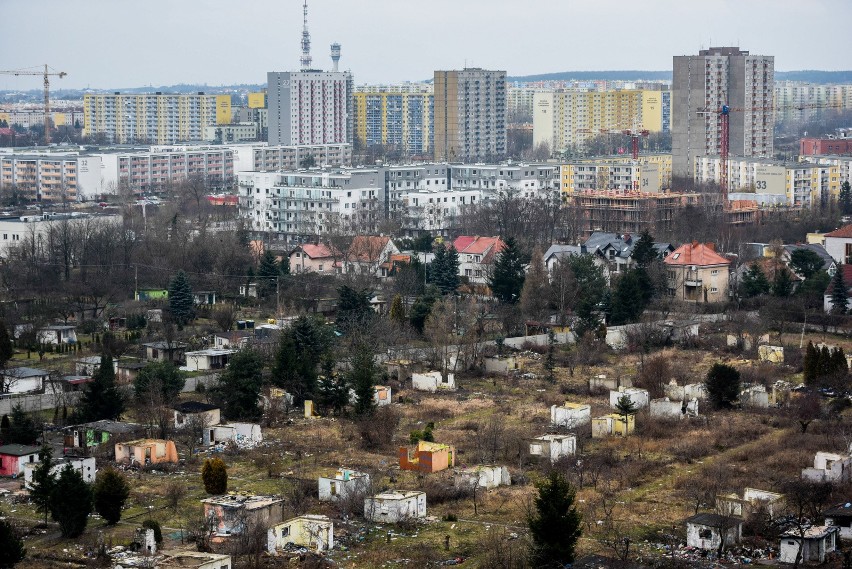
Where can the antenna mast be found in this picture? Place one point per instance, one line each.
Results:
(306, 40)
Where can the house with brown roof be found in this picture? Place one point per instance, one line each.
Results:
(367, 253)
(476, 256)
(697, 273)
(838, 244)
(319, 258)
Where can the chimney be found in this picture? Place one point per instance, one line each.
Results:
(694, 244)
(711, 246)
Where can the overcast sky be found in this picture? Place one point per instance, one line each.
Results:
(124, 43)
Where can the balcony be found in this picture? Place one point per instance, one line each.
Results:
(692, 282)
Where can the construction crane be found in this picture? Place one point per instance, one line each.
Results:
(47, 74)
(724, 113)
(634, 135)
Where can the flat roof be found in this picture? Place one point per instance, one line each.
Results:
(19, 450)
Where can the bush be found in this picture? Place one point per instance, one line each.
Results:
(377, 431)
(154, 525)
(110, 493)
(214, 474)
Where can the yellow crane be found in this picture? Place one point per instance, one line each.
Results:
(47, 73)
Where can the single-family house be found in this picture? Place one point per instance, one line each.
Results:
(665, 408)
(13, 458)
(68, 383)
(232, 513)
(146, 451)
(553, 447)
(209, 359)
(751, 501)
(196, 413)
(613, 424)
(58, 334)
(482, 476)
(616, 250)
(638, 396)
(164, 351)
(310, 258)
(394, 506)
(838, 244)
(840, 516)
(309, 530)
(394, 263)
(204, 297)
(343, 484)
(367, 253)
(241, 434)
(433, 381)
(570, 415)
(476, 256)
(89, 435)
(193, 560)
(85, 465)
(427, 457)
(709, 531)
(557, 252)
(695, 272)
(829, 467)
(827, 303)
(23, 380)
(812, 547)
(829, 265)
(235, 339)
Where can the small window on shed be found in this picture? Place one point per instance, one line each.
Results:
(705, 533)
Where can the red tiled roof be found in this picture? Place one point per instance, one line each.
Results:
(367, 248)
(699, 254)
(844, 232)
(478, 245)
(320, 251)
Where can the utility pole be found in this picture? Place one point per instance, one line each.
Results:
(278, 296)
(136, 282)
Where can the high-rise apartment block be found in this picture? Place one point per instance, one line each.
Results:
(797, 101)
(154, 118)
(701, 85)
(310, 107)
(470, 115)
(568, 117)
(398, 116)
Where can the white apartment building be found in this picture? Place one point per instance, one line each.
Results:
(798, 101)
(706, 82)
(33, 231)
(769, 182)
(309, 107)
(263, 157)
(297, 206)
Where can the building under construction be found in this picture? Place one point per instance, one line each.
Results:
(619, 211)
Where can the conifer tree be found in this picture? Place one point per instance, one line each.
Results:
(363, 380)
(555, 524)
(239, 387)
(12, 548)
(534, 295)
(723, 385)
(22, 430)
(43, 481)
(397, 310)
(71, 502)
(754, 282)
(782, 284)
(644, 253)
(110, 492)
(267, 273)
(810, 364)
(214, 474)
(181, 302)
(101, 398)
(628, 298)
(6, 349)
(507, 277)
(839, 296)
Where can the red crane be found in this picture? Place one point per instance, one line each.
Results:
(724, 113)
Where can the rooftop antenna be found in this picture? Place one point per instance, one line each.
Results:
(306, 40)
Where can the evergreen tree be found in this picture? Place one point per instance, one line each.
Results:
(23, 430)
(625, 406)
(824, 366)
(845, 198)
(507, 277)
(6, 349)
(628, 298)
(555, 523)
(839, 296)
(445, 269)
(12, 548)
(363, 379)
(353, 308)
(644, 253)
(43, 481)
(534, 295)
(238, 391)
(267, 273)
(805, 262)
(5, 430)
(810, 364)
(181, 302)
(101, 398)
(782, 284)
(110, 493)
(397, 310)
(166, 374)
(303, 347)
(422, 308)
(754, 282)
(723, 385)
(71, 502)
(332, 389)
(550, 360)
(214, 474)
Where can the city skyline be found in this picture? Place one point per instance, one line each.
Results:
(385, 42)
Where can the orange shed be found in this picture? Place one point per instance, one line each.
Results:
(427, 457)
